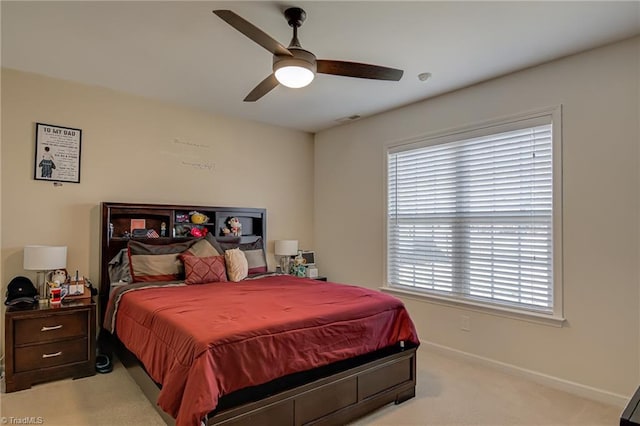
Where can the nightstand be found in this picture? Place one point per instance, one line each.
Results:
(45, 343)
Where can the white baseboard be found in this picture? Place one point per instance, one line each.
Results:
(584, 391)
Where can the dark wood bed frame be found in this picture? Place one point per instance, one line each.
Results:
(331, 395)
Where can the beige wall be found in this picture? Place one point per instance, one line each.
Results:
(134, 150)
(598, 348)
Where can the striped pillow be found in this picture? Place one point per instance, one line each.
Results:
(152, 262)
(256, 260)
(203, 249)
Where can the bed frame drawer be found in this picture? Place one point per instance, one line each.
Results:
(325, 400)
(385, 378)
(277, 414)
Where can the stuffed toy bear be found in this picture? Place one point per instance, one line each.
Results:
(58, 277)
(234, 227)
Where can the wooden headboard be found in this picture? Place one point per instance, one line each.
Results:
(118, 220)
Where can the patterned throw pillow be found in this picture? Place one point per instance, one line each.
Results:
(200, 270)
(237, 266)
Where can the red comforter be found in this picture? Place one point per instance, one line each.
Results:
(205, 341)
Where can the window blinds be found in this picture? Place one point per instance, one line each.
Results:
(472, 219)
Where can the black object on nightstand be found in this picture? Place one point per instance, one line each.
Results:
(44, 343)
(320, 278)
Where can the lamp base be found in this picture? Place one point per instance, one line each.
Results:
(285, 264)
(43, 287)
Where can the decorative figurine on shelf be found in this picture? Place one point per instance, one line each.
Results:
(110, 230)
(233, 227)
(198, 218)
(298, 268)
(163, 229)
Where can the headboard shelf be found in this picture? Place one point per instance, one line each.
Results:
(119, 220)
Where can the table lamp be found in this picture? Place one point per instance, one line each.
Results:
(286, 249)
(44, 259)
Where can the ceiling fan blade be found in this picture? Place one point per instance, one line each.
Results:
(358, 70)
(253, 32)
(265, 86)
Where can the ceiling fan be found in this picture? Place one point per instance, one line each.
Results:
(295, 67)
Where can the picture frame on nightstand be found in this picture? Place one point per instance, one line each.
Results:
(309, 257)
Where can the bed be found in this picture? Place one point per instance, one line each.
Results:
(266, 349)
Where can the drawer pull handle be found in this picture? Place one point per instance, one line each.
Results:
(51, 355)
(55, 327)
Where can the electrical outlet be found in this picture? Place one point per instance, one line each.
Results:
(465, 323)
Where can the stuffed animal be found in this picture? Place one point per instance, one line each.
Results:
(198, 218)
(58, 277)
(234, 227)
(198, 232)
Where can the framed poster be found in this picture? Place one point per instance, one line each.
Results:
(57, 153)
(138, 224)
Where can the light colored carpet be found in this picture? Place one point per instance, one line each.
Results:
(101, 400)
(450, 392)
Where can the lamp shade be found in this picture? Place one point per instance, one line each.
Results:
(44, 258)
(286, 247)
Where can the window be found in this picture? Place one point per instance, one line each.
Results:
(471, 218)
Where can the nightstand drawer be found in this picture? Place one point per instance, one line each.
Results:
(51, 354)
(52, 327)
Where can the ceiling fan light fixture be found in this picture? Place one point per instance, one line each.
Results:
(294, 76)
(294, 72)
(294, 66)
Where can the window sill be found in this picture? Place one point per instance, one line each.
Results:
(549, 320)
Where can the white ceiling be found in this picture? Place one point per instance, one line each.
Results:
(182, 53)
